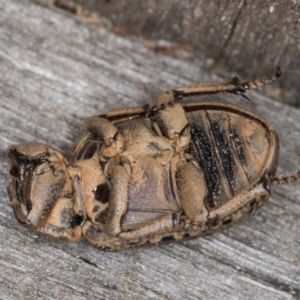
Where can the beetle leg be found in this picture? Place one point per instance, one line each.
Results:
(119, 171)
(113, 141)
(168, 223)
(97, 236)
(242, 202)
(192, 190)
(233, 86)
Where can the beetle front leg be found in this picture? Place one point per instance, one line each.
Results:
(113, 141)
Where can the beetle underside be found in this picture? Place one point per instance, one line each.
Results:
(151, 174)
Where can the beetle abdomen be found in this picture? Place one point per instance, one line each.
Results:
(233, 148)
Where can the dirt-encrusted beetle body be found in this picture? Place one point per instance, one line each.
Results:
(149, 175)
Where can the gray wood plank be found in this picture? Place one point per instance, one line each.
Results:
(55, 71)
(248, 37)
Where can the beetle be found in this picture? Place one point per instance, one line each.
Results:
(152, 174)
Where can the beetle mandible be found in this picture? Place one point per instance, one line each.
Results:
(152, 174)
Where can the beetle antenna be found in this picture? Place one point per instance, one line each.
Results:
(285, 179)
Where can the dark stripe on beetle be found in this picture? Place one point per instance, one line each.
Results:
(207, 160)
(224, 151)
(237, 147)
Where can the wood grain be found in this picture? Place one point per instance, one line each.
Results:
(57, 70)
(227, 37)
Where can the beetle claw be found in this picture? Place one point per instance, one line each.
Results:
(241, 92)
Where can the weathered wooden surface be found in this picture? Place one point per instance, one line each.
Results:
(55, 71)
(232, 36)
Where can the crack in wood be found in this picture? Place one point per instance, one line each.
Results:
(230, 35)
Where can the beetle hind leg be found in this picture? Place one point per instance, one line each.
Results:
(192, 190)
(233, 86)
(150, 232)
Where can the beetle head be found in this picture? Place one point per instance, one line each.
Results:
(39, 178)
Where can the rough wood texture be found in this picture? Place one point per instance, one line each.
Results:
(244, 37)
(55, 71)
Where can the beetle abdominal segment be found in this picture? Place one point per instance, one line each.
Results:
(152, 174)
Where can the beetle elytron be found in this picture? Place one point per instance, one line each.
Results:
(151, 174)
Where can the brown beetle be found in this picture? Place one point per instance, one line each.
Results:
(147, 175)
